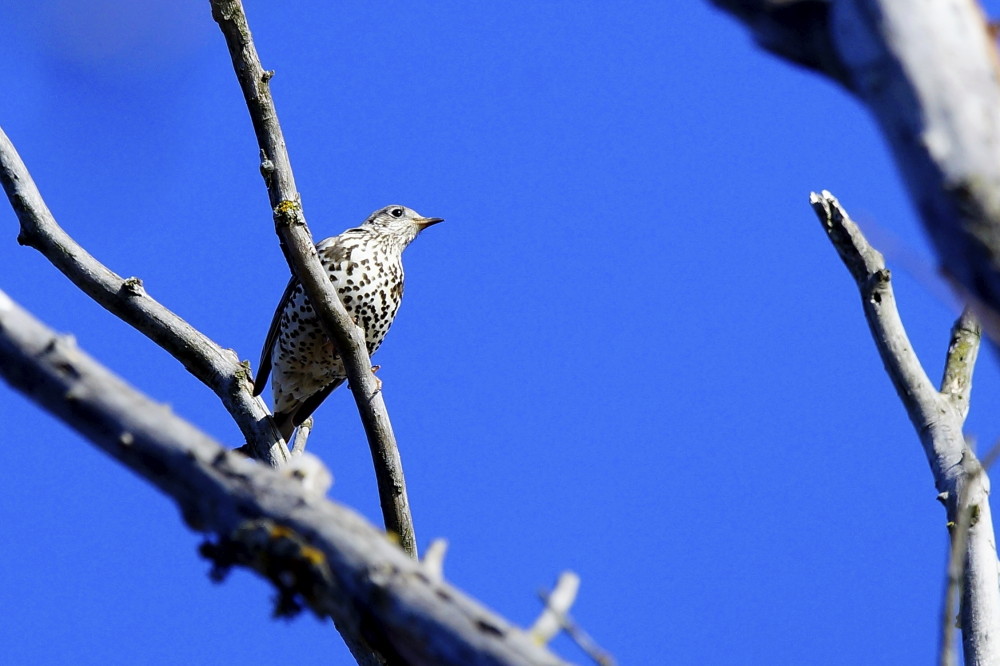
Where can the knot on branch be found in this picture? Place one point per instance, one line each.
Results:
(266, 165)
(133, 287)
(24, 239)
(299, 571)
(877, 285)
(223, 11)
(288, 213)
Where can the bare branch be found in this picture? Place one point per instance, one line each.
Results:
(302, 436)
(953, 585)
(316, 552)
(300, 252)
(959, 530)
(434, 559)
(219, 369)
(867, 267)
(938, 418)
(555, 618)
(961, 361)
(930, 75)
(557, 604)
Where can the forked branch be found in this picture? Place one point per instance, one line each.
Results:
(219, 369)
(938, 417)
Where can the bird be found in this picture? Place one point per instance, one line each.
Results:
(365, 265)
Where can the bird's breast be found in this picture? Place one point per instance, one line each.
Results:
(370, 286)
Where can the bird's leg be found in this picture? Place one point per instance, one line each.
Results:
(378, 382)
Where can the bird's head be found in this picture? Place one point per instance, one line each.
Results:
(400, 222)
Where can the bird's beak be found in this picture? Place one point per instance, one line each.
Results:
(425, 222)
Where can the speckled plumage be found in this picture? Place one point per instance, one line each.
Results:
(365, 264)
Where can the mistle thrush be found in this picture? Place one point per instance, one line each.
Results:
(365, 265)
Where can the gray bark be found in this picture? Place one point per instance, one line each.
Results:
(317, 553)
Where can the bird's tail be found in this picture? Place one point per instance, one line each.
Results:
(287, 421)
(286, 425)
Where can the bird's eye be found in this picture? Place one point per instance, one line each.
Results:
(396, 212)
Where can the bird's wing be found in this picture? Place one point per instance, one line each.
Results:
(264, 367)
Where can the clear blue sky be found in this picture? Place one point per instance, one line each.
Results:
(630, 351)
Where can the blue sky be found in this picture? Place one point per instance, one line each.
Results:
(630, 351)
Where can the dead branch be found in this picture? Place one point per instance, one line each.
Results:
(938, 417)
(555, 617)
(317, 553)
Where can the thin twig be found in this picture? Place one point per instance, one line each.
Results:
(300, 252)
(317, 553)
(963, 350)
(433, 559)
(555, 617)
(557, 604)
(302, 436)
(956, 385)
(219, 369)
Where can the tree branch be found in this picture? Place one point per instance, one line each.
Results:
(300, 253)
(557, 604)
(929, 73)
(316, 552)
(938, 418)
(963, 349)
(867, 267)
(555, 618)
(956, 385)
(219, 369)
(433, 559)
